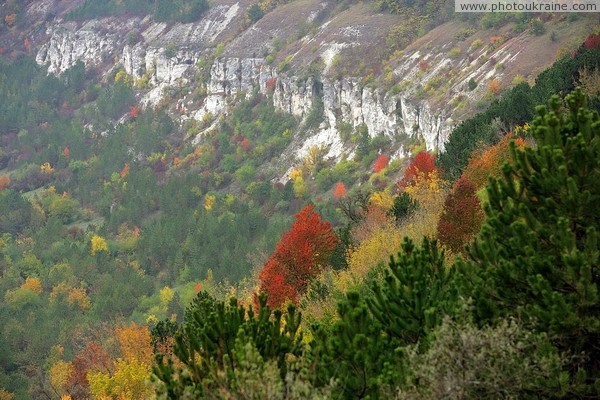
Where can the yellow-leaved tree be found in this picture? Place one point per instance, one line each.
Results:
(6, 395)
(379, 236)
(209, 201)
(382, 199)
(78, 297)
(60, 374)
(166, 295)
(429, 191)
(370, 252)
(98, 244)
(130, 378)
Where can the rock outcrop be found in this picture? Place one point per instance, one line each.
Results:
(416, 95)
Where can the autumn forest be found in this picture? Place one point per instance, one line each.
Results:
(136, 263)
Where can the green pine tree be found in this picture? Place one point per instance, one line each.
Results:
(353, 352)
(537, 254)
(418, 291)
(403, 206)
(205, 344)
(362, 350)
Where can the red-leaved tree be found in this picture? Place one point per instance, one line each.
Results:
(461, 217)
(92, 358)
(592, 41)
(298, 257)
(245, 144)
(380, 163)
(423, 163)
(124, 171)
(134, 111)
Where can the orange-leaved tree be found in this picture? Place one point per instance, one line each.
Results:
(339, 190)
(4, 182)
(134, 111)
(488, 163)
(70, 378)
(124, 171)
(494, 86)
(298, 257)
(380, 163)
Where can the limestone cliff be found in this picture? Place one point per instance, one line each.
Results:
(422, 91)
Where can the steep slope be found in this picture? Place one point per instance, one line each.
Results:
(310, 55)
(162, 156)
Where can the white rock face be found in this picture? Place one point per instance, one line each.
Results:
(68, 44)
(431, 78)
(167, 56)
(40, 8)
(102, 40)
(433, 128)
(134, 60)
(228, 77)
(346, 101)
(217, 20)
(343, 100)
(296, 98)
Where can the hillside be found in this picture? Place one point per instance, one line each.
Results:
(158, 157)
(306, 53)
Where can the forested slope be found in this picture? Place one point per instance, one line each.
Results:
(126, 226)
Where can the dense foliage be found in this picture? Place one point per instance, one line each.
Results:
(80, 209)
(461, 217)
(111, 221)
(543, 265)
(518, 319)
(212, 342)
